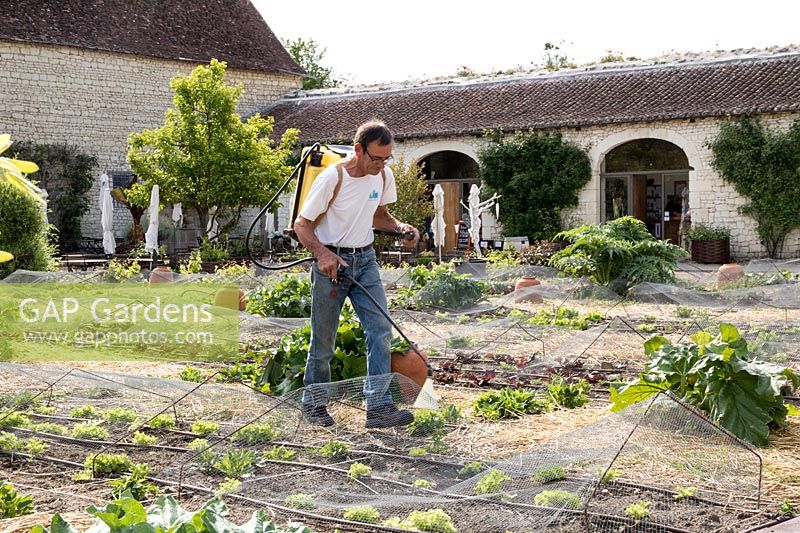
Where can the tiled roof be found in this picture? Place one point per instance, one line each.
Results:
(572, 98)
(198, 30)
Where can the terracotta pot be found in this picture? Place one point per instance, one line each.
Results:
(161, 274)
(230, 298)
(728, 273)
(523, 295)
(414, 366)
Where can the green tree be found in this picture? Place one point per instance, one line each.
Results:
(205, 157)
(538, 175)
(764, 167)
(414, 202)
(308, 55)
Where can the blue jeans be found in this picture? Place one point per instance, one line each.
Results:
(327, 299)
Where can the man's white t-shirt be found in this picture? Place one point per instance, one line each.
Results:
(348, 222)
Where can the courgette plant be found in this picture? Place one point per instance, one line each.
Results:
(719, 376)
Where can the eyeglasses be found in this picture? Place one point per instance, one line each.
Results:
(377, 159)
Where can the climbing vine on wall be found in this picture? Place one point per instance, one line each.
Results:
(763, 165)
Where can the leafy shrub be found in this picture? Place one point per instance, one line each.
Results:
(700, 232)
(358, 470)
(620, 249)
(569, 394)
(135, 484)
(639, 510)
(89, 431)
(119, 270)
(491, 482)
(684, 312)
(143, 439)
(279, 453)
(85, 411)
(163, 421)
(538, 175)
(508, 403)
(12, 504)
(763, 165)
(720, 377)
(283, 368)
(68, 176)
(289, 298)
(204, 427)
(557, 498)
(334, 450)
(23, 232)
(255, 434)
(116, 415)
(366, 514)
(470, 469)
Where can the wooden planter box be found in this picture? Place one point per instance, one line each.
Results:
(714, 251)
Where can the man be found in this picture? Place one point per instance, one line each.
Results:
(335, 223)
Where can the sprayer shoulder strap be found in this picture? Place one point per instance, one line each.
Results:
(340, 178)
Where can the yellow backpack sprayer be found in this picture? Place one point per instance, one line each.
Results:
(313, 161)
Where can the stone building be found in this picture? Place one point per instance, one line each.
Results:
(644, 126)
(89, 73)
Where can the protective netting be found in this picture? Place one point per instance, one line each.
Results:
(257, 450)
(659, 457)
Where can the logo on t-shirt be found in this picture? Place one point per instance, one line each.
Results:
(373, 195)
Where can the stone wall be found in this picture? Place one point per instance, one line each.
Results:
(713, 202)
(95, 99)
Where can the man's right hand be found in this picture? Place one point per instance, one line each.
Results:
(329, 263)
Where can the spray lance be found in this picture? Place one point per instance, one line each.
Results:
(428, 400)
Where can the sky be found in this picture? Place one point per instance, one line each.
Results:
(372, 42)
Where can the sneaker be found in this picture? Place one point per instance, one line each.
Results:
(317, 415)
(387, 416)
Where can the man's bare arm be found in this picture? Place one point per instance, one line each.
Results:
(383, 220)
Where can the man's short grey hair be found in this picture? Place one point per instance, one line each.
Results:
(374, 130)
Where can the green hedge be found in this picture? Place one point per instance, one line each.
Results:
(23, 232)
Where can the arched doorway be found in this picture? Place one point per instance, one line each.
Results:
(455, 172)
(646, 178)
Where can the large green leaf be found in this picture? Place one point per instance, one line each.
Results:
(57, 525)
(736, 406)
(167, 513)
(122, 515)
(633, 393)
